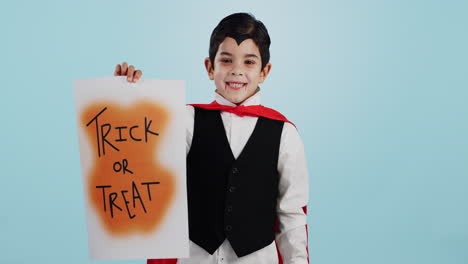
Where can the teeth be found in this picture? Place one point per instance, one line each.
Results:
(236, 85)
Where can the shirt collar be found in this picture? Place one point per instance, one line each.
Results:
(252, 100)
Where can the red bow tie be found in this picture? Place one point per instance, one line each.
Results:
(250, 110)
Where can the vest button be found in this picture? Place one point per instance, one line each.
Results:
(232, 189)
(235, 170)
(228, 228)
(229, 209)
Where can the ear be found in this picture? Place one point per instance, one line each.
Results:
(264, 73)
(209, 68)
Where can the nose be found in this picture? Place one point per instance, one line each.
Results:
(236, 70)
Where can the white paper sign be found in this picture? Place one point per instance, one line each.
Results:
(132, 149)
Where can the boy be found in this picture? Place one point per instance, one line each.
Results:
(247, 178)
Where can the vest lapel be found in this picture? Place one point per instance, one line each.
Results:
(247, 144)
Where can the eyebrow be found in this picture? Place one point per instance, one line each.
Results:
(248, 55)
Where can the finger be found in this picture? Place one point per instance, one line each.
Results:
(117, 70)
(130, 72)
(123, 71)
(137, 75)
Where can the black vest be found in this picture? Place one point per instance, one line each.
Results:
(229, 198)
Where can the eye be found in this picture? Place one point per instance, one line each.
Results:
(249, 62)
(226, 60)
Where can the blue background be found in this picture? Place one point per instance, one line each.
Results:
(378, 90)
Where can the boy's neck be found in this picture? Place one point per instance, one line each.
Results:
(256, 91)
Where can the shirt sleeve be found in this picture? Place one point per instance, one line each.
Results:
(293, 197)
(190, 114)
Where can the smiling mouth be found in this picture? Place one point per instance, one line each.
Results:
(235, 85)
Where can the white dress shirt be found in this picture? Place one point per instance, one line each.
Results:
(293, 193)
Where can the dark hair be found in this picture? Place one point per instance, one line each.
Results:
(241, 26)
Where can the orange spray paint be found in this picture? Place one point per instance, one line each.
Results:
(128, 189)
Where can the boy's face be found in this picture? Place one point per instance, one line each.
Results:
(237, 69)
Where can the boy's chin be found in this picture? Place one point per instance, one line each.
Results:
(235, 99)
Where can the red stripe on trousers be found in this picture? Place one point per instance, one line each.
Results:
(161, 261)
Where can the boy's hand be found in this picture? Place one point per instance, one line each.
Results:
(129, 71)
